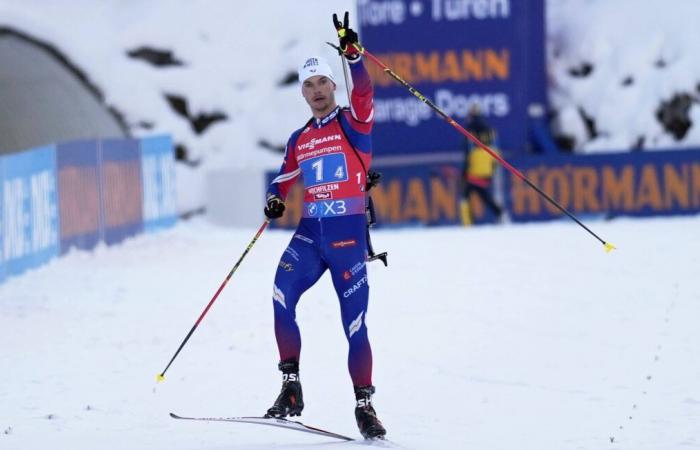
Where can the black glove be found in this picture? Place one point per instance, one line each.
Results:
(372, 179)
(274, 208)
(349, 44)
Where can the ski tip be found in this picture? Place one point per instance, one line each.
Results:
(160, 378)
(609, 247)
(174, 416)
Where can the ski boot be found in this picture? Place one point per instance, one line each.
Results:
(368, 423)
(290, 402)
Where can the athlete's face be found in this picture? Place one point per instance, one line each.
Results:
(319, 93)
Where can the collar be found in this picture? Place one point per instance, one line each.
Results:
(323, 121)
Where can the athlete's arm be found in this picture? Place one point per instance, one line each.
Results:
(288, 173)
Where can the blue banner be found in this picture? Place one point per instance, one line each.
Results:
(159, 189)
(631, 184)
(30, 225)
(637, 184)
(79, 193)
(416, 194)
(121, 189)
(488, 53)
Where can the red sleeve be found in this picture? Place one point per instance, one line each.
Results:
(361, 98)
(288, 173)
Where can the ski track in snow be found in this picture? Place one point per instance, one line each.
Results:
(512, 337)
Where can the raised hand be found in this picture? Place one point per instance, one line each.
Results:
(349, 43)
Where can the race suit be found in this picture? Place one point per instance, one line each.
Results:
(332, 155)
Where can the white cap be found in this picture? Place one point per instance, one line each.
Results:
(315, 65)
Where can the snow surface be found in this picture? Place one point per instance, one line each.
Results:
(511, 337)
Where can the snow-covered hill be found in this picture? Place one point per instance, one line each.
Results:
(629, 68)
(229, 60)
(612, 65)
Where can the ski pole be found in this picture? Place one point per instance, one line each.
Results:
(608, 246)
(161, 376)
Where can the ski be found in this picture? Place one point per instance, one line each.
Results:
(270, 421)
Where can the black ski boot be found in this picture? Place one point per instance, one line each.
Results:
(290, 402)
(368, 423)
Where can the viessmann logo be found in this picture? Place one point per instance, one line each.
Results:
(317, 141)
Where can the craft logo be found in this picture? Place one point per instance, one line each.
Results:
(355, 287)
(323, 196)
(345, 243)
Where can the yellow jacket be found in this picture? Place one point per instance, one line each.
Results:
(480, 164)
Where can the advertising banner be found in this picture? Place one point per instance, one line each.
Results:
(415, 194)
(630, 184)
(158, 179)
(637, 184)
(30, 221)
(458, 53)
(121, 189)
(79, 194)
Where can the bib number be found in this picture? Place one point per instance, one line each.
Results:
(325, 169)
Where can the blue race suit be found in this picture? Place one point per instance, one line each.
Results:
(332, 155)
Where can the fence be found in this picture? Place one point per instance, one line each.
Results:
(78, 194)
